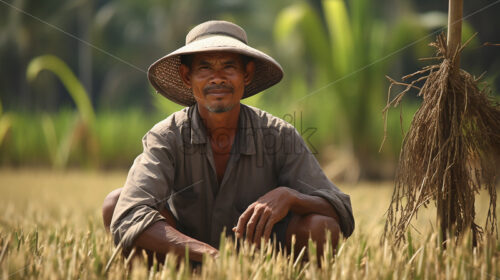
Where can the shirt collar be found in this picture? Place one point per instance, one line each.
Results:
(245, 135)
(246, 132)
(198, 129)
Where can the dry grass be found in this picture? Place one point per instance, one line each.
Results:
(50, 227)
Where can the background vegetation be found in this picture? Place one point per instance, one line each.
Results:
(74, 92)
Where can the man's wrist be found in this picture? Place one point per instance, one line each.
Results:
(302, 204)
(294, 199)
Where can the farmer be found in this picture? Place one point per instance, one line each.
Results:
(220, 165)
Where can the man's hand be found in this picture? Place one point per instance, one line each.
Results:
(162, 238)
(259, 218)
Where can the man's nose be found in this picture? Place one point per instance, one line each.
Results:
(218, 77)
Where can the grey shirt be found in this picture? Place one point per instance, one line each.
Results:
(176, 170)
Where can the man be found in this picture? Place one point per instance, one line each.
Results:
(219, 164)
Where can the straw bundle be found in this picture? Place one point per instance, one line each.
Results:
(450, 152)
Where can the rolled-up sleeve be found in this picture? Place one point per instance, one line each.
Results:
(148, 185)
(301, 171)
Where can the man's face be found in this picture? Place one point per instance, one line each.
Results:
(217, 79)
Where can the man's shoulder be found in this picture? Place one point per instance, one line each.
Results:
(262, 119)
(277, 136)
(173, 123)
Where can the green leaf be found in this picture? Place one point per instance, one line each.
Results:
(58, 151)
(340, 31)
(287, 21)
(69, 80)
(5, 124)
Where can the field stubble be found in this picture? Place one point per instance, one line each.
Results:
(50, 228)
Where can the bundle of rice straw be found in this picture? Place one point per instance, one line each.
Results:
(452, 148)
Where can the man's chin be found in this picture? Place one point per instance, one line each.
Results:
(218, 109)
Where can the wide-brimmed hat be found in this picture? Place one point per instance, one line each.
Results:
(212, 36)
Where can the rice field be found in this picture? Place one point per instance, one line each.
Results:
(50, 228)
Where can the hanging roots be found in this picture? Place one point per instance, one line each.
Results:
(450, 152)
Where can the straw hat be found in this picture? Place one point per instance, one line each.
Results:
(212, 36)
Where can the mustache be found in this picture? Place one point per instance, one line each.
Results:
(207, 89)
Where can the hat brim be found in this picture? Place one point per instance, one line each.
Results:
(165, 77)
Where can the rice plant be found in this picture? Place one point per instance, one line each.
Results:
(81, 130)
(50, 228)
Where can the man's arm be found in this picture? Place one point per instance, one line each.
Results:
(140, 218)
(161, 237)
(307, 191)
(259, 218)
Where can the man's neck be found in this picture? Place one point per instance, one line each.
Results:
(221, 126)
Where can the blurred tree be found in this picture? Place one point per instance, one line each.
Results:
(342, 60)
(108, 43)
(118, 40)
(139, 32)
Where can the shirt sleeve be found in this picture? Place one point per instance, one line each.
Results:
(146, 191)
(301, 171)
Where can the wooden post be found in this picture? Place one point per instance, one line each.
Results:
(455, 11)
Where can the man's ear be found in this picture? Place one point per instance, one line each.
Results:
(184, 73)
(249, 72)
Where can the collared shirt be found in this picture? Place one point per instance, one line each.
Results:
(176, 170)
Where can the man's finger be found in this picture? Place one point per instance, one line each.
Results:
(259, 229)
(269, 228)
(252, 223)
(242, 222)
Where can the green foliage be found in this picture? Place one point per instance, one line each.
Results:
(118, 135)
(58, 149)
(5, 124)
(345, 68)
(70, 82)
(164, 105)
(81, 130)
(24, 144)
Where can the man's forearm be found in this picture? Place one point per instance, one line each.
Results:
(164, 238)
(303, 204)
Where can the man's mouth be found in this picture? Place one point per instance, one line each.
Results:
(217, 90)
